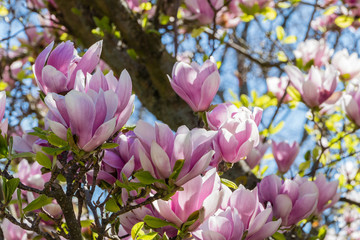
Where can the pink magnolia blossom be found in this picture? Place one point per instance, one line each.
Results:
(202, 10)
(14, 232)
(123, 159)
(317, 86)
(261, 3)
(196, 85)
(285, 154)
(315, 50)
(347, 65)
(256, 154)
(161, 149)
(324, 22)
(200, 193)
(31, 175)
(3, 124)
(278, 86)
(62, 65)
(292, 200)
(351, 101)
(103, 103)
(327, 193)
(237, 127)
(243, 213)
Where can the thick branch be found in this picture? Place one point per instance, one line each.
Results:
(148, 71)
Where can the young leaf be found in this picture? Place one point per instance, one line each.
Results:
(10, 187)
(148, 236)
(111, 205)
(109, 145)
(154, 222)
(177, 169)
(41, 201)
(145, 177)
(136, 230)
(43, 160)
(229, 183)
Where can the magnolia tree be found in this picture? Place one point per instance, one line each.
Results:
(215, 84)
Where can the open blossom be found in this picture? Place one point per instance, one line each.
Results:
(285, 154)
(200, 193)
(202, 10)
(196, 85)
(324, 22)
(327, 193)
(347, 65)
(315, 50)
(317, 86)
(237, 130)
(292, 200)
(3, 124)
(123, 159)
(352, 105)
(278, 86)
(161, 149)
(103, 103)
(62, 65)
(261, 3)
(231, 223)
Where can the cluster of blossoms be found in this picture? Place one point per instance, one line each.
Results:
(74, 96)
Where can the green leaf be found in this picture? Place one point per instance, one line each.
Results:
(277, 128)
(294, 94)
(196, 32)
(177, 169)
(86, 223)
(154, 222)
(56, 141)
(283, 5)
(43, 160)
(136, 230)
(54, 151)
(192, 219)
(131, 52)
(278, 236)
(19, 201)
(344, 21)
(109, 145)
(41, 201)
(23, 155)
(290, 39)
(111, 205)
(282, 56)
(304, 165)
(229, 183)
(145, 177)
(164, 19)
(269, 13)
(330, 10)
(10, 187)
(130, 185)
(148, 236)
(280, 32)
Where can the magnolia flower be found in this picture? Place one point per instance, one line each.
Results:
(315, 50)
(327, 193)
(31, 175)
(318, 85)
(238, 132)
(231, 223)
(123, 159)
(278, 86)
(104, 104)
(201, 194)
(202, 10)
(196, 85)
(3, 124)
(161, 149)
(285, 154)
(292, 200)
(347, 65)
(257, 154)
(260, 3)
(352, 105)
(62, 65)
(13, 232)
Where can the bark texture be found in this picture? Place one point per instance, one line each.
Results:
(150, 67)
